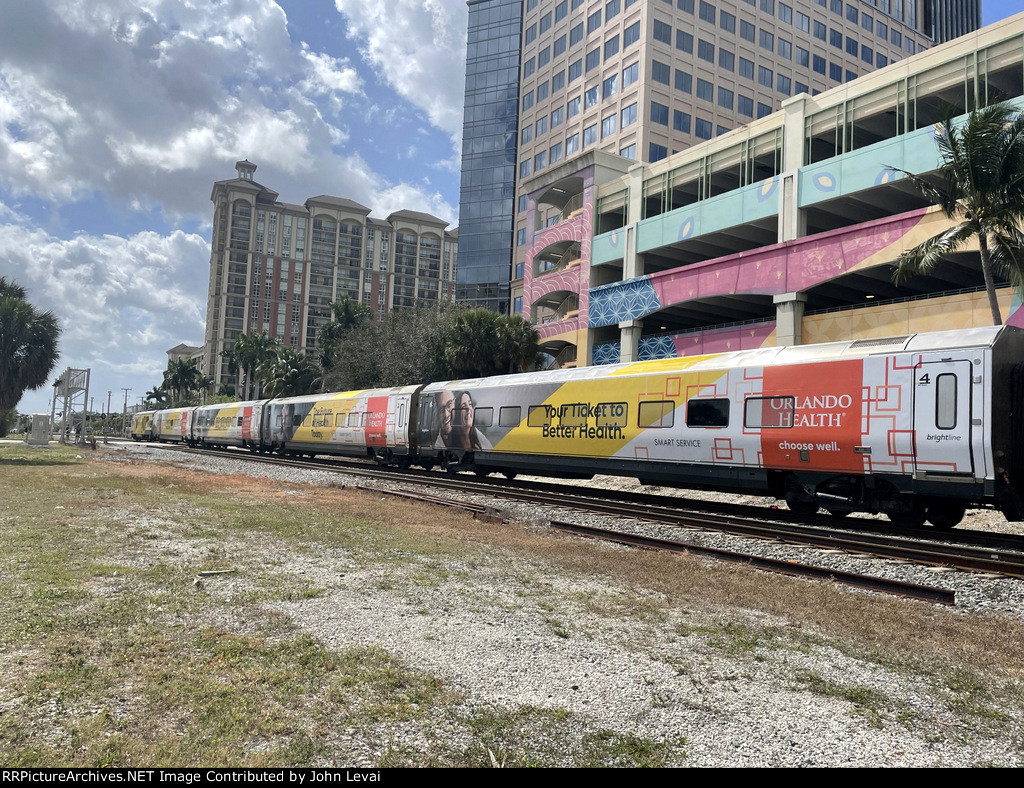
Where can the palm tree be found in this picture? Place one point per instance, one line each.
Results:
(182, 377)
(981, 189)
(347, 313)
(249, 352)
(289, 373)
(28, 344)
(520, 343)
(157, 397)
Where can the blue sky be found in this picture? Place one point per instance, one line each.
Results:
(116, 116)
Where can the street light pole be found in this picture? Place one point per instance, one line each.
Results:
(106, 421)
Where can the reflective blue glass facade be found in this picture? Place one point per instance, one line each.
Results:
(489, 136)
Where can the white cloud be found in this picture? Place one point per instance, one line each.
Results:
(419, 46)
(121, 302)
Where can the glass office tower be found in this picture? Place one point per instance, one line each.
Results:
(489, 153)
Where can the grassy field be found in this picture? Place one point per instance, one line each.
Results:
(143, 623)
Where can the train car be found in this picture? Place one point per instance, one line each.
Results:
(173, 425)
(142, 426)
(908, 426)
(374, 423)
(229, 424)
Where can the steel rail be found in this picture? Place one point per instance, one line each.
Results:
(924, 593)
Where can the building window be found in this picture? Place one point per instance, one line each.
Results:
(820, 30)
(524, 168)
(867, 54)
(706, 50)
(684, 81)
(631, 35)
(803, 22)
(590, 98)
(662, 32)
(545, 22)
(531, 34)
(702, 129)
(526, 135)
(835, 72)
(726, 60)
(612, 9)
(784, 84)
(684, 42)
(593, 59)
(835, 38)
(528, 100)
(557, 117)
(529, 67)
(867, 22)
(628, 115)
(557, 81)
(590, 135)
(520, 237)
(561, 10)
(785, 13)
(681, 121)
(543, 57)
(851, 13)
(611, 47)
(593, 21)
(542, 125)
(656, 152)
(768, 6)
(745, 106)
(572, 144)
(881, 61)
(575, 70)
(705, 90)
(706, 12)
(727, 22)
(763, 109)
(746, 69)
(559, 46)
(818, 64)
(852, 46)
(785, 49)
(747, 31)
(725, 98)
(765, 76)
(803, 57)
(630, 74)
(573, 107)
(607, 126)
(661, 72)
(610, 86)
(659, 113)
(800, 87)
(555, 154)
(629, 152)
(542, 91)
(766, 40)
(576, 35)
(540, 161)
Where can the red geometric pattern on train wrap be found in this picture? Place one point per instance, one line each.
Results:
(825, 411)
(375, 428)
(247, 423)
(184, 423)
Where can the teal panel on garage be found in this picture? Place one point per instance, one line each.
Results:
(608, 247)
(753, 202)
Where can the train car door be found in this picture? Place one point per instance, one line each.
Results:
(942, 418)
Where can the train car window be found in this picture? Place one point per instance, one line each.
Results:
(401, 415)
(239, 421)
(367, 417)
(707, 413)
(768, 412)
(538, 416)
(483, 417)
(612, 414)
(573, 414)
(657, 415)
(296, 420)
(945, 401)
(510, 417)
(277, 420)
(339, 420)
(353, 419)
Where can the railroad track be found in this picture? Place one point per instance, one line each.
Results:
(978, 554)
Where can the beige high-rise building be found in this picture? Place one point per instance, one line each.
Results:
(277, 266)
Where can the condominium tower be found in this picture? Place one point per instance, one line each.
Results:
(277, 267)
(642, 79)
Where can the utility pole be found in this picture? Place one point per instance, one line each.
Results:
(124, 414)
(106, 421)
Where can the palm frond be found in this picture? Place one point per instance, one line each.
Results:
(926, 255)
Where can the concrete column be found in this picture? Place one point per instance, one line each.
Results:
(792, 220)
(789, 316)
(629, 340)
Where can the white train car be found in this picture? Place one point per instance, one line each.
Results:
(229, 424)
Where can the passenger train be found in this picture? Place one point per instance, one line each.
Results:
(917, 427)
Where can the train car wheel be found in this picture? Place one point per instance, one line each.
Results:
(510, 475)
(910, 512)
(801, 507)
(946, 514)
